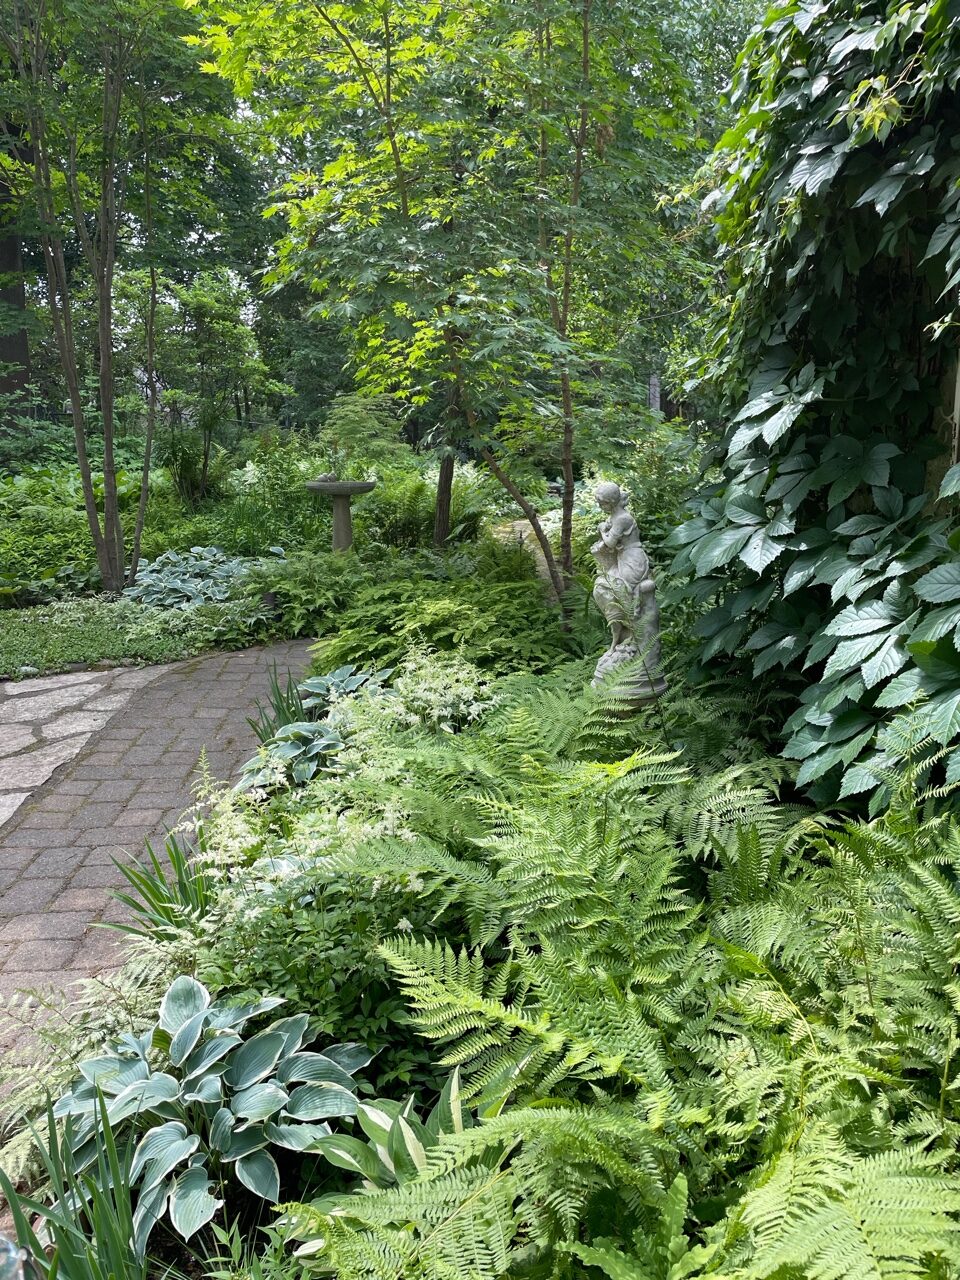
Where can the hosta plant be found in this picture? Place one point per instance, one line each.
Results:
(178, 580)
(293, 751)
(198, 1102)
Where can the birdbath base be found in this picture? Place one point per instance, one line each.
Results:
(341, 491)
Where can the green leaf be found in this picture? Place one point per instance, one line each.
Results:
(314, 1068)
(407, 1148)
(296, 1137)
(886, 662)
(950, 485)
(320, 1102)
(186, 1038)
(860, 619)
(905, 689)
(851, 653)
(184, 999)
(255, 1059)
(941, 717)
(761, 551)
(719, 548)
(260, 1101)
(941, 584)
(350, 1153)
(259, 1173)
(191, 1204)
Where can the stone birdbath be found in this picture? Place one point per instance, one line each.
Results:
(341, 491)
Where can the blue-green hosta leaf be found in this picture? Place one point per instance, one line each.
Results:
(950, 485)
(149, 1211)
(166, 1160)
(255, 1059)
(154, 1142)
(260, 1101)
(349, 1153)
(184, 998)
(293, 1029)
(953, 767)
(259, 1173)
(210, 1052)
(941, 584)
(313, 1068)
(143, 1095)
(185, 1040)
(191, 1204)
(221, 1130)
(111, 1074)
(321, 1102)
(204, 1089)
(224, 1016)
(243, 1141)
(350, 1056)
(296, 1137)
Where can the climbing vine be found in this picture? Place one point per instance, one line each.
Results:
(825, 546)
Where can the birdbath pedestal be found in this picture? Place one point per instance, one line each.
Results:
(341, 491)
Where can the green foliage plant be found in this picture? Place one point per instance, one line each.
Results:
(84, 1229)
(827, 544)
(195, 1100)
(292, 751)
(707, 1032)
(178, 580)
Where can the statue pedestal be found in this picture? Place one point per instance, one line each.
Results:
(636, 686)
(341, 491)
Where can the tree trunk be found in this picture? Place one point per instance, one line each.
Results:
(441, 520)
(14, 348)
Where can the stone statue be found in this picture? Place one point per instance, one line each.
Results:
(624, 592)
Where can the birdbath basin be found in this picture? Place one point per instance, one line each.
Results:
(341, 491)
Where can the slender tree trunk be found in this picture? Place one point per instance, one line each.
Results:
(14, 347)
(560, 299)
(441, 520)
(151, 372)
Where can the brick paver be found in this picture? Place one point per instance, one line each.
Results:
(129, 783)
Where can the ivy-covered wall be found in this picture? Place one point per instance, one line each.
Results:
(822, 548)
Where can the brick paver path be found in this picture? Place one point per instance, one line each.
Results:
(130, 781)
